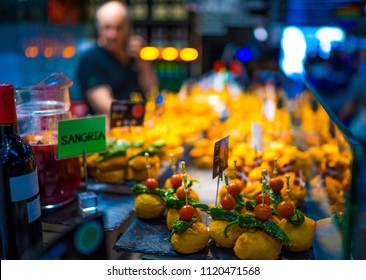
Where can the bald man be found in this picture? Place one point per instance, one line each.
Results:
(112, 70)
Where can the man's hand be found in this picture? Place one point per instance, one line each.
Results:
(135, 44)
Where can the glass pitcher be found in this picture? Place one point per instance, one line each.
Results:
(39, 108)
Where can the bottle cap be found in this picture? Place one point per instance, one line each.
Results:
(7, 104)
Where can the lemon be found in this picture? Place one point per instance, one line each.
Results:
(192, 240)
(301, 236)
(217, 233)
(149, 206)
(257, 245)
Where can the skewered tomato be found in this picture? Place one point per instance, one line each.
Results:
(234, 188)
(176, 180)
(267, 200)
(151, 183)
(276, 184)
(263, 212)
(286, 209)
(228, 202)
(180, 193)
(186, 213)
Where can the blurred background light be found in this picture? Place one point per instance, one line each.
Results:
(330, 34)
(68, 52)
(31, 51)
(293, 51)
(244, 54)
(261, 34)
(149, 53)
(188, 54)
(169, 53)
(48, 52)
(327, 36)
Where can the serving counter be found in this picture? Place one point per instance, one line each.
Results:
(325, 158)
(129, 237)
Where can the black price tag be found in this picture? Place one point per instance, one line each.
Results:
(220, 158)
(127, 113)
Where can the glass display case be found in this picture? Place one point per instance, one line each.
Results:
(337, 191)
(307, 139)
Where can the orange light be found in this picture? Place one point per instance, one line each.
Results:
(48, 52)
(169, 53)
(149, 53)
(188, 54)
(31, 51)
(68, 52)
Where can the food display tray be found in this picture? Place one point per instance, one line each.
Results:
(150, 237)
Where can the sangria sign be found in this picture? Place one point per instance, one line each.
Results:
(83, 135)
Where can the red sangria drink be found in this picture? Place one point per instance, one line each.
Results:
(58, 178)
(39, 110)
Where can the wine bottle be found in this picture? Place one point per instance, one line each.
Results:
(20, 210)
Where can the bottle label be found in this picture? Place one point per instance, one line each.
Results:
(24, 187)
(34, 209)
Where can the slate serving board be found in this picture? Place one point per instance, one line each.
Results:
(150, 237)
(116, 209)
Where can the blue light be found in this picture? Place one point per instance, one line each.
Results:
(244, 54)
(159, 99)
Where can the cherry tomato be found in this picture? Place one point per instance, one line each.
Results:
(234, 188)
(228, 202)
(276, 184)
(286, 209)
(151, 183)
(267, 199)
(180, 193)
(263, 212)
(186, 213)
(176, 180)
